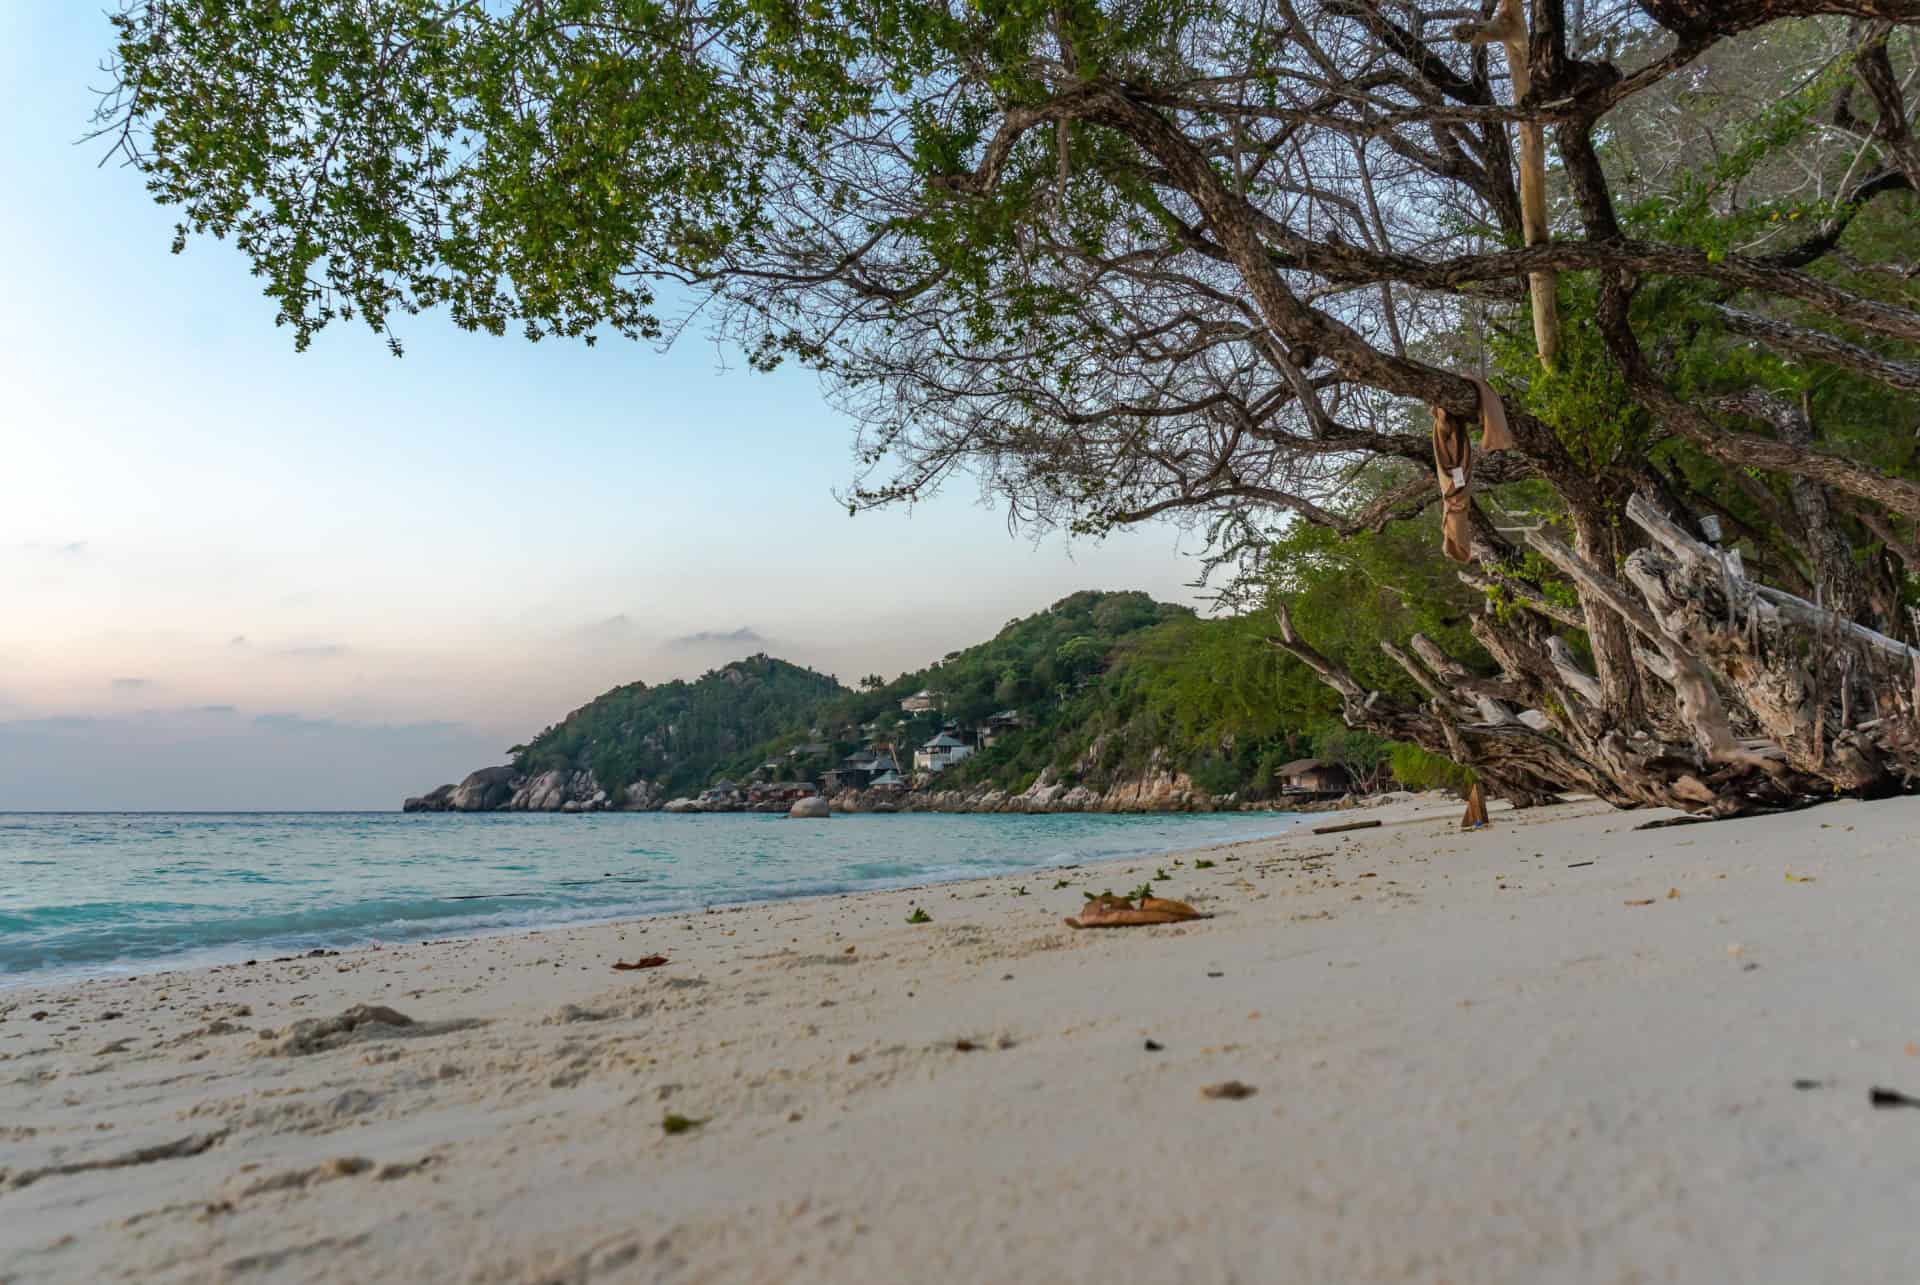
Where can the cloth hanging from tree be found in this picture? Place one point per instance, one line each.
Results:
(1494, 434)
(1453, 462)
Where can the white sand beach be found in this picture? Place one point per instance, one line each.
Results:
(1473, 1058)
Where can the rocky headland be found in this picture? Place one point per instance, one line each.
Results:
(506, 789)
(503, 789)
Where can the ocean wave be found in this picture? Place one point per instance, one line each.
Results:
(134, 894)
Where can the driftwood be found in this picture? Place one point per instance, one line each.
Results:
(1342, 829)
(1752, 699)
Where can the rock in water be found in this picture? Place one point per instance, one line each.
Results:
(482, 791)
(433, 801)
(811, 808)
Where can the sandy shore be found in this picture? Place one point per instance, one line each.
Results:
(1472, 1060)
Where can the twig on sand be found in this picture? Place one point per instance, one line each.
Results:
(1342, 829)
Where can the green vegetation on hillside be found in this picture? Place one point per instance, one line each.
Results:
(1107, 686)
(677, 733)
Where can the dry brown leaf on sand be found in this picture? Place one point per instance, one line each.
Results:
(647, 961)
(1644, 901)
(1120, 912)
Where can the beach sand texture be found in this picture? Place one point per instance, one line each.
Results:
(1471, 1060)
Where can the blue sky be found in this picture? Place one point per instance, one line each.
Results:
(236, 576)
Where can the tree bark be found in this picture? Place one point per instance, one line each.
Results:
(1509, 27)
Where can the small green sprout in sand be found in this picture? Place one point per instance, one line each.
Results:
(1090, 896)
(1141, 893)
(1062, 883)
(919, 916)
(1203, 865)
(1161, 875)
(679, 1123)
(1020, 890)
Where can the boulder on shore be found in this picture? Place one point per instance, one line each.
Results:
(815, 808)
(544, 793)
(483, 791)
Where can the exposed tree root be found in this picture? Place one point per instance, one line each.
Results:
(1756, 700)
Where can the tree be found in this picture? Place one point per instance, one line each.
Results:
(1200, 258)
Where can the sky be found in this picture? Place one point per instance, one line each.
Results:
(233, 576)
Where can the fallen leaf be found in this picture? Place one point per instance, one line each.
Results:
(1644, 901)
(1884, 1098)
(1673, 894)
(648, 961)
(679, 1123)
(1794, 878)
(1109, 911)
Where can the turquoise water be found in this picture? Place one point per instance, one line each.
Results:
(131, 892)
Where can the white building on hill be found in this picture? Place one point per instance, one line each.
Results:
(940, 753)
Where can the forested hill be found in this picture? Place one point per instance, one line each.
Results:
(682, 736)
(1104, 685)
(678, 734)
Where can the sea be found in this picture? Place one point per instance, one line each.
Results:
(102, 893)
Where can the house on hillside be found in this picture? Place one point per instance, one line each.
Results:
(854, 773)
(920, 702)
(941, 753)
(888, 781)
(1313, 777)
(998, 725)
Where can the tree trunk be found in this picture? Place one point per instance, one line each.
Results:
(1509, 27)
